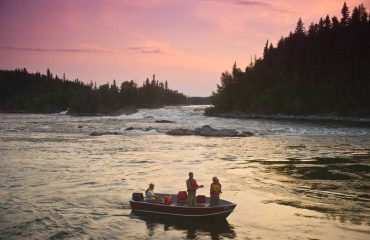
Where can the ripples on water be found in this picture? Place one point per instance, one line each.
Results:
(292, 180)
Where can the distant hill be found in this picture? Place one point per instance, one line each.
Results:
(325, 69)
(38, 93)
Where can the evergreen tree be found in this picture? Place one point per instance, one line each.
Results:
(312, 29)
(265, 50)
(299, 28)
(327, 23)
(345, 15)
(355, 19)
(335, 22)
(271, 47)
(363, 14)
(321, 25)
(114, 87)
(48, 74)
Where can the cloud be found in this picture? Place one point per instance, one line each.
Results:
(151, 51)
(68, 50)
(253, 3)
(242, 2)
(261, 5)
(144, 50)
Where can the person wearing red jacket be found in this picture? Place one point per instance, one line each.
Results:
(192, 187)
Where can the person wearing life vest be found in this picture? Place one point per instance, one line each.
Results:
(150, 195)
(215, 191)
(192, 187)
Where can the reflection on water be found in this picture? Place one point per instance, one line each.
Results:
(337, 186)
(192, 230)
(292, 180)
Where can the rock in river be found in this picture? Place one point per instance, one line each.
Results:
(164, 121)
(181, 132)
(208, 131)
(94, 134)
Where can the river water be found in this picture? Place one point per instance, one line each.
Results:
(291, 180)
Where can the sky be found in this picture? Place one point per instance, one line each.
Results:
(189, 43)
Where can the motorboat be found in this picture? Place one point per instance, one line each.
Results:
(180, 210)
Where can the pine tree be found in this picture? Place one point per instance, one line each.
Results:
(312, 29)
(265, 50)
(355, 19)
(327, 22)
(363, 13)
(114, 87)
(49, 75)
(321, 25)
(271, 47)
(345, 15)
(299, 28)
(335, 22)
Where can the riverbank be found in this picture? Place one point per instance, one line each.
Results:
(309, 117)
(124, 111)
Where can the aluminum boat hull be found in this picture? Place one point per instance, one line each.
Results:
(182, 211)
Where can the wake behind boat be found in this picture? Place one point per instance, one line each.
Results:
(180, 210)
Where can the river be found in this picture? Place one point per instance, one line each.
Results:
(291, 180)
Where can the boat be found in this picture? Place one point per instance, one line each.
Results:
(202, 211)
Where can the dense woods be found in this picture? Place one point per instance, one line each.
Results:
(199, 101)
(322, 69)
(39, 93)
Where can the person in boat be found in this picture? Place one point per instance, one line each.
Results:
(150, 195)
(192, 187)
(215, 191)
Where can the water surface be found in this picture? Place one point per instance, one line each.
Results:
(291, 180)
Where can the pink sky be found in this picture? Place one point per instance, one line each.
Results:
(189, 42)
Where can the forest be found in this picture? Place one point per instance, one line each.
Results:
(324, 69)
(39, 93)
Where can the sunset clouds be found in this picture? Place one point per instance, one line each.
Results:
(189, 43)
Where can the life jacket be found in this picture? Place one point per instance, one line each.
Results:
(149, 194)
(193, 185)
(168, 200)
(182, 197)
(215, 188)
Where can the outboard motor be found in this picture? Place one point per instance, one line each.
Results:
(137, 197)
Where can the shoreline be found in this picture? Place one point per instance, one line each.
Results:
(127, 111)
(323, 118)
(122, 111)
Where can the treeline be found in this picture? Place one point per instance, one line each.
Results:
(325, 69)
(199, 101)
(39, 93)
